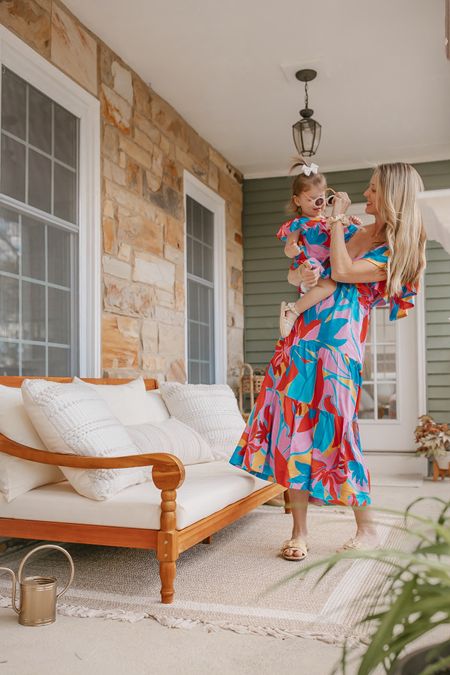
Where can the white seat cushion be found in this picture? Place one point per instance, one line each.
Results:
(206, 489)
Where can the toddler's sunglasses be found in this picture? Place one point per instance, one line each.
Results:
(327, 200)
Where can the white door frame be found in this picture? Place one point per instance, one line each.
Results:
(40, 73)
(202, 194)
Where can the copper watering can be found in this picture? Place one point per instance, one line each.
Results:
(38, 596)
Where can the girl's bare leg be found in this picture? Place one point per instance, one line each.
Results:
(324, 288)
(298, 502)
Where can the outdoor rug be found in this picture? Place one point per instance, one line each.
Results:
(238, 582)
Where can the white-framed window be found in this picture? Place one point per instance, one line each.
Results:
(205, 264)
(49, 218)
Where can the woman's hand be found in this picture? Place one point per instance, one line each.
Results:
(341, 202)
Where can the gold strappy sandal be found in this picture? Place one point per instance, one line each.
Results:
(298, 544)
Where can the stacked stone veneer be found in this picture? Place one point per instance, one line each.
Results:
(146, 145)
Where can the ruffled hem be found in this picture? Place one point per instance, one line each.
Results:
(318, 451)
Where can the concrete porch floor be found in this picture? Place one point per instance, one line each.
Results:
(75, 646)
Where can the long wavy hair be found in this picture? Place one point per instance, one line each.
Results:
(397, 186)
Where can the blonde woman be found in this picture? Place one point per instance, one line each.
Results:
(303, 431)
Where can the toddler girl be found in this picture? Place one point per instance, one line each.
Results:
(307, 240)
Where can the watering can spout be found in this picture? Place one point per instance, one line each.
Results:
(13, 588)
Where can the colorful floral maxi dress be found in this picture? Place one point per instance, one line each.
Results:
(303, 430)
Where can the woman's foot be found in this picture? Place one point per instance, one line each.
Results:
(364, 540)
(288, 316)
(294, 549)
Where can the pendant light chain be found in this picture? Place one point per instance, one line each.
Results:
(306, 95)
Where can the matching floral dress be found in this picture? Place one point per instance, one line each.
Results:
(303, 430)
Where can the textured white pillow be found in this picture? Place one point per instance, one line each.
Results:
(73, 419)
(18, 476)
(210, 409)
(174, 437)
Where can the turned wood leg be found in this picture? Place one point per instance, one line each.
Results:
(208, 540)
(287, 503)
(167, 571)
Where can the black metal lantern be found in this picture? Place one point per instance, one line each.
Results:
(306, 132)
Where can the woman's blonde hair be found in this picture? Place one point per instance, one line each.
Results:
(302, 183)
(397, 186)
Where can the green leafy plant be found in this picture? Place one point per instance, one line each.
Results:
(415, 598)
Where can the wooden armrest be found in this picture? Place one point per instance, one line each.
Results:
(165, 466)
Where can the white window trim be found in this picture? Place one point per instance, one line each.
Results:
(21, 59)
(211, 200)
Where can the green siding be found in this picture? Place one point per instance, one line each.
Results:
(265, 270)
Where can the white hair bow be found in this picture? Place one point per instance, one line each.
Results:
(308, 169)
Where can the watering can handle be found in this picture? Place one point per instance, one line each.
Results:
(13, 590)
(57, 548)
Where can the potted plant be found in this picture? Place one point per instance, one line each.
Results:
(414, 600)
(433, 441)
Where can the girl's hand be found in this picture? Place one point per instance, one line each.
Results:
(292, 249)
(341, 202)
(310, 275)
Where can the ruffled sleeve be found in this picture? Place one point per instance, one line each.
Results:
(400, 304)
(291, 226)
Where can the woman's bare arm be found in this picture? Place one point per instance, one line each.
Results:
(344, 269)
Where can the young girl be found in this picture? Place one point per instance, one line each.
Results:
(307, 239)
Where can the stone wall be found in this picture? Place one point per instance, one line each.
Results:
(145, 147)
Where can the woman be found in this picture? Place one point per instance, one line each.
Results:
(303, 431)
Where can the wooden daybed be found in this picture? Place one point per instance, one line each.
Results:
(168, 475)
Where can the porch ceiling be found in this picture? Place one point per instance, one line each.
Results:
(382, 94)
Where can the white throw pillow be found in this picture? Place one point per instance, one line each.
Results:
(73, 419)
(158, 410)
(128, 402)
(18, 476)
(174, 437)
(210, 409)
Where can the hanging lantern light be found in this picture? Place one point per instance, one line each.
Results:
(306, 131)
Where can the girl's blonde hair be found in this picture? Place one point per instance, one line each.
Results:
(302, 183)
(397, 186)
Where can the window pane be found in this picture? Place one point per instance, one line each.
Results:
(387, 406)
(9, 358)
(189, 208)
(367, 371)
(59, 362)
(9, 307)
(208, 227)
(205, 352)
(58, 243)
(33, 311)
(40, 120)
(9, 241)
(197, 263)
(204, 300)
(193, 309)
(385, 328)
(13, 168)
(65, 136)
(65, 194)
(39, 181)
(190, 255)
(386, 362)
(58, 316)
(33, 360)
(13, 104)
(194, 373)
(205, 374)
(366, 402)
(194, 341)
(33, 249)
(208, 264)
(197, 220)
